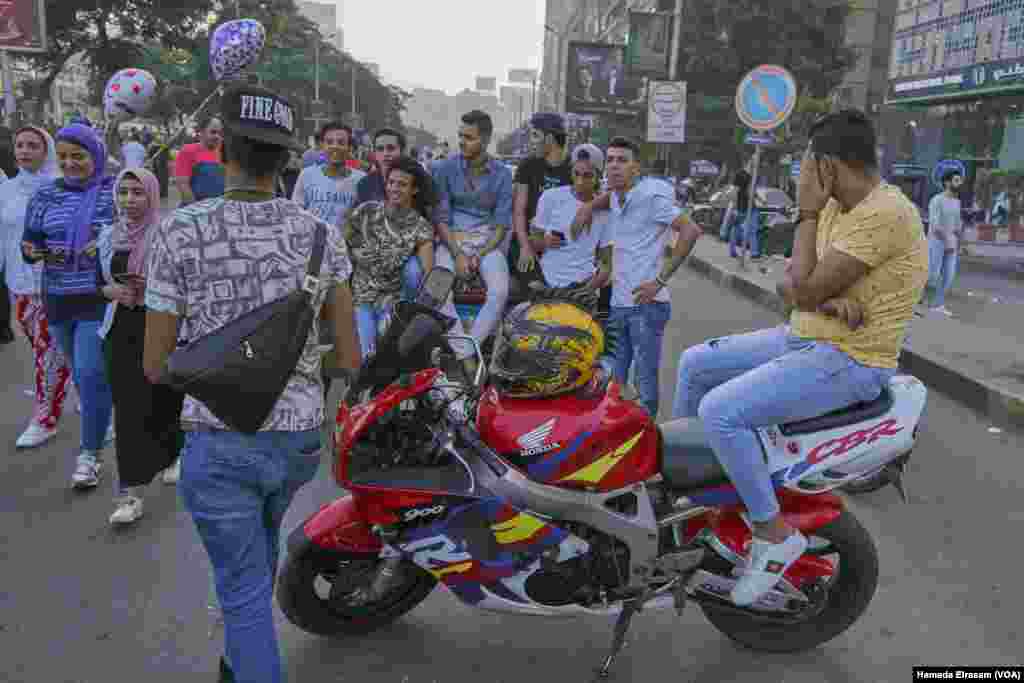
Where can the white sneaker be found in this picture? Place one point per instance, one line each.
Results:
(173, 473)
(942, 310)
(129, 510)
(765, 566)
(35, 435)
(87, 472)
(111, 435)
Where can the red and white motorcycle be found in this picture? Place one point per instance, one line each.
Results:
(574, 505)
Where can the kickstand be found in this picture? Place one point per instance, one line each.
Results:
(629, 610)
(899, 475)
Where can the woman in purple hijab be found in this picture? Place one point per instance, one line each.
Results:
(62, 224)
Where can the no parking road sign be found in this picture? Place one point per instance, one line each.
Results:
(766, 97)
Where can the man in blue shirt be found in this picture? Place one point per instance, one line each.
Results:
(643, 217)
(476, 201)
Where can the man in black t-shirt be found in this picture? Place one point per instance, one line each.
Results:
(548, 167)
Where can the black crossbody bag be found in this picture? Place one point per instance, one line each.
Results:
(240, 371)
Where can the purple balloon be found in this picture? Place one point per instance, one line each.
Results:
(234, 46)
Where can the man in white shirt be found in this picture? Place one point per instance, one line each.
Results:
(565, 260)
(329, 191)
(945, 226)
(643, 216)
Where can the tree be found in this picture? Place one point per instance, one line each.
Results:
(111, 33)
(722, 40)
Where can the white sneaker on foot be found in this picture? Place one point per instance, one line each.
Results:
(765, 567)
(173, 473)
(129, 510)
(87, 472)
(111, 435)
(942, 310)
(35, 435)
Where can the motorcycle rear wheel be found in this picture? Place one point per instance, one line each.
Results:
(299, 595)
(848, 596)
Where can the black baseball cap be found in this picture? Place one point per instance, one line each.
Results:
(256, 113)
(549, 122)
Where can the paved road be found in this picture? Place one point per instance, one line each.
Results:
(81, 603)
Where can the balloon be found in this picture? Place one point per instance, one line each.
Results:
(129, 92)
(234, 46)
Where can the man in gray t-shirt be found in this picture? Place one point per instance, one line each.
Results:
(944, 229)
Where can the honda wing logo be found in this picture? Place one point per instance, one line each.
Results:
(536, 437)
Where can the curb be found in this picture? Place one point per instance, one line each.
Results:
(1000, 406)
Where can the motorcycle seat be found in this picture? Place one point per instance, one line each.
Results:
(844, 417)
(687, 461)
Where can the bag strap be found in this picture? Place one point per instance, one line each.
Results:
(311, 283)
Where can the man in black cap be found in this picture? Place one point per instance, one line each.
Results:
(211, 263)
(548, 167)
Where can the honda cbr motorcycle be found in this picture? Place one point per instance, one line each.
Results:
(575, 505)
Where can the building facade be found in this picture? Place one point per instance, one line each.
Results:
(956, 94)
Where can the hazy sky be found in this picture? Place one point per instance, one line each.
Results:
(444, 44)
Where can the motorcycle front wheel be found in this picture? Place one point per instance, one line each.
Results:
(846, 542)
(314, 594)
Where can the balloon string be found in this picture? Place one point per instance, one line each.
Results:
(167, 145)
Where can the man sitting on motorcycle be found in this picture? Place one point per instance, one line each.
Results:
(475, 194)
(859, 265)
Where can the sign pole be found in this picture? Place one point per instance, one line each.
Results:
(10, 103)
(673, 66)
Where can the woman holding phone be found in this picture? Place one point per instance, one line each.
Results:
(36, 154)
(147, 415)
(62, 223)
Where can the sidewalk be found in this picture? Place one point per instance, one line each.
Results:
(982, 367)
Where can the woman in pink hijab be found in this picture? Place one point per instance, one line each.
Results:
(146, 416)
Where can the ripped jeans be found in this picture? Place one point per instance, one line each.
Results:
(740, 383)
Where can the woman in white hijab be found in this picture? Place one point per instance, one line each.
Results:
(36, 155)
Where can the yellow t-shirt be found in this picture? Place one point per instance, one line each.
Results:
(885, 232)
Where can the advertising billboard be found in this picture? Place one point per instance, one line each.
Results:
(952, 49)
(650, 42)
(597, 83)
(486, 84)
(22, 26)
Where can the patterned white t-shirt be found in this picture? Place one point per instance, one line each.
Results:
(214, 261)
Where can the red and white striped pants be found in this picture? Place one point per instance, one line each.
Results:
(51, 367)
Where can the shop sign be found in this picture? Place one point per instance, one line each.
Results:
(977, 77)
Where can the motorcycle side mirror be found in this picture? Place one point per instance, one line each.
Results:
(421, 327)
(435, 288)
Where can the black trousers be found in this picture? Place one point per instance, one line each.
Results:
(147, 416)
(5, 304)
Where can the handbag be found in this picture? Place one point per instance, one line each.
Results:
(240, 370)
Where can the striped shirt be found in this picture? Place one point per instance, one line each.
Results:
(71, 285)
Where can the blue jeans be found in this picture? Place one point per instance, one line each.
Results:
(237, 487)
(640, 331)
(368, 321)
(82, 346)
(747, 233)
(770, 377)
(412, 274)
(728, 226)
(942, 267)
